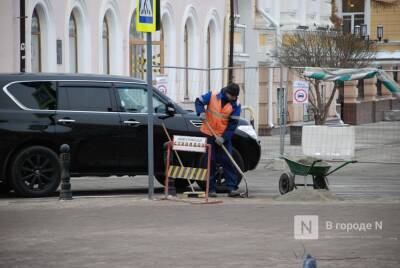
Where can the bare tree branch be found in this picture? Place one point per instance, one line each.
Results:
(329, 49)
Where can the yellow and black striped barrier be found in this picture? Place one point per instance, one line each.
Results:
(190, 173)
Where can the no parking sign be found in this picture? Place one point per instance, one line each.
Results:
(300, 92)
(162, 83)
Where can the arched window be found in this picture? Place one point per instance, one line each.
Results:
(36, 61)
(106, 46)
(137, 51)
(73, 44)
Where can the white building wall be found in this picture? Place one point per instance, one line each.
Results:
(55, 14)
(288, 14)
(9, 29)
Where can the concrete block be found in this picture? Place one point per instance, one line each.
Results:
(393, 115)
(329, 142)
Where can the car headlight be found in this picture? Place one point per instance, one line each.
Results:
(249, 130)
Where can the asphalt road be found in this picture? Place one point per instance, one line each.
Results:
(111, 223)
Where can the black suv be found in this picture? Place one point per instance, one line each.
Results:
(103, 119)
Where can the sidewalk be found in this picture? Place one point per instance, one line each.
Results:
(131, 232)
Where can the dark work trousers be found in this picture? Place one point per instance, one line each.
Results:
(219, 156)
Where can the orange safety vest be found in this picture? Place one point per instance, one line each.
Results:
(216, 116)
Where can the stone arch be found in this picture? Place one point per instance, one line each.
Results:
(109, 9)
(190, 21)
(79, 9)
(213, 24)
(169, 32)
(45, 13)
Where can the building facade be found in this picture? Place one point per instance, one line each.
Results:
(365, 101)
(100, 37)
(259, 27)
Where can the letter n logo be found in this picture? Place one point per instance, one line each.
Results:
(306, 227)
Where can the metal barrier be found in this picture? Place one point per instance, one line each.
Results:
(278, 121)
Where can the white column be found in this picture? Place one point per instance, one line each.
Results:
(367, 16)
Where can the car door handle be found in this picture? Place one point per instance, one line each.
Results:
(131, 122)
(66, 120)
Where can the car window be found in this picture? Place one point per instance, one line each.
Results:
(134, 100)
(85, 97)
(35, 95)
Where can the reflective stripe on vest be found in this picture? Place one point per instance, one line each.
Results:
(216, 116)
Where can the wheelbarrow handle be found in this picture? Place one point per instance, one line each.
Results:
(342, 165)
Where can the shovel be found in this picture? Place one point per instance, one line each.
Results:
(246, 193)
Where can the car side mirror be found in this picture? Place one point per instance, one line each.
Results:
(171, 110)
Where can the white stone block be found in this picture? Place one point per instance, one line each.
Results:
(329, 142)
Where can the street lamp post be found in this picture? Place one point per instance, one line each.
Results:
(357, 30)
(379, 32)
(364, 31)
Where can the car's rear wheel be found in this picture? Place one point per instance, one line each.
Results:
(221, 181)
(4, 187)
(35, 172)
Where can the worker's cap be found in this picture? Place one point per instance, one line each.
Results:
(233, 89)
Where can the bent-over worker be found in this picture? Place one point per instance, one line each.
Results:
(222, 114)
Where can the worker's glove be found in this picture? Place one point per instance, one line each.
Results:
(202, 116)
(219, 141)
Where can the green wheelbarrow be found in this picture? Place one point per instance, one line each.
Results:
(304, 166)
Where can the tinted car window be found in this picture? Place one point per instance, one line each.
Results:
(134, 100)
(85, 97)
(35, 95)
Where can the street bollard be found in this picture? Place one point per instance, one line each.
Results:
(65, 192)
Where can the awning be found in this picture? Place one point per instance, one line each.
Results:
(387, 1)
(331, 74)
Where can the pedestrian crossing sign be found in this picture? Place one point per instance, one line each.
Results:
(146, 16)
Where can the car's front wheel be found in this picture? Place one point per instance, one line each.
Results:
(35, 172)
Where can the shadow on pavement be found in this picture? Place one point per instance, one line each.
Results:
(142, 191)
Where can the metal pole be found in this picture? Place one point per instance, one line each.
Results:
(231, 33)
(150, 151)
(22, 36)
(282, 114)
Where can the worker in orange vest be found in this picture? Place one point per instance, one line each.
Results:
(222, 114)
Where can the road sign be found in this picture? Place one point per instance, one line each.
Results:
(146, 17)
(162, 83)
(190, 143)
(300, 92)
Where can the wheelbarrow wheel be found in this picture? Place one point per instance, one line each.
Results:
(320, 182)
(286, 183)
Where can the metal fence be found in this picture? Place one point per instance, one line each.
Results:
(268, 89)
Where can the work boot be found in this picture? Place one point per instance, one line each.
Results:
(212, 194)
(233, 193)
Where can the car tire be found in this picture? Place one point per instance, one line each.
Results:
(35, 172)
(221, 184)
(5, 187)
